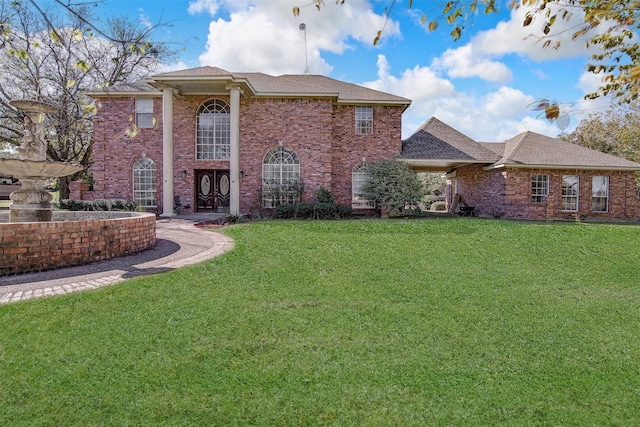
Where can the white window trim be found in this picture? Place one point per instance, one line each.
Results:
(144, 113)
(545, 188)
(568, 198)
(280, 167)
(606, 197)
(214, 143)
(359, 198)
(144, 186)
(364, 120)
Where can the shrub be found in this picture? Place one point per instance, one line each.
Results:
(324, 196)
(326, 211)
(284, 211)
(394, 186)
(344, 211)
(304, 210)
(97, 205)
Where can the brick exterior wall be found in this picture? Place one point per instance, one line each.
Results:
(506, 193)
(320, 133)
(45, 245)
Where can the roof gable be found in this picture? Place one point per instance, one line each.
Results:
(437, 140)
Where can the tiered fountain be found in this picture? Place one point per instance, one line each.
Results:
(32, 203)
(34, 237)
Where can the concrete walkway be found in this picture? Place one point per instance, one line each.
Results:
(179, 243)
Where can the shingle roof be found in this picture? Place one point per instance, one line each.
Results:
(437, 140)
(285, 85)
(206, 71)
(530, 148)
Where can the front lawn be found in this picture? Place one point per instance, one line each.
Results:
(444, 321)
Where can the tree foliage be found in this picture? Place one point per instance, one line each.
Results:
(615, 132)
(54, 55)
(610, 25)
(394, 187)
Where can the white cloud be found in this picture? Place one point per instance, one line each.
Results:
(199, 6)
(479, 57)
(265, 36)
(494, 117)
(512, 37)
(465, 62)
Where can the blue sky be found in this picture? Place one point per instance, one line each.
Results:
(480, 85)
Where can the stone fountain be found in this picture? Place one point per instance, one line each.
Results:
(31, 203)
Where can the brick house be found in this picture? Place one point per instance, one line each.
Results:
(529, 176)
(224, 141)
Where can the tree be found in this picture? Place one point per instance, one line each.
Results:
(54, 57)
(394, 187)
(610, 25)
(615, 132)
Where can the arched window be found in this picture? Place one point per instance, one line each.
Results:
(213, 134)
(359, 177)
(144, 182)
(280, 177)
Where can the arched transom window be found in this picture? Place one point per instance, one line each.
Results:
(213, 134)
(144, 182)
(359, 177)
(280, 177)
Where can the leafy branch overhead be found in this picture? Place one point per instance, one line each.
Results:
(609, 26)
(57, 53)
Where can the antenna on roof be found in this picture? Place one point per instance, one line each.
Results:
(303, 27)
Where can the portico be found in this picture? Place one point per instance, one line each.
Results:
(181, 84)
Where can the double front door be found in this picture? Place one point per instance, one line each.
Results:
(212, 190)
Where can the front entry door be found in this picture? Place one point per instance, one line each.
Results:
(223, 191)
(204, 190)
(213, 190)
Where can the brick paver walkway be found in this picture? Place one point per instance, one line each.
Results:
(179, 243)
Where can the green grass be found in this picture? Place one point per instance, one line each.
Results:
(446, 321)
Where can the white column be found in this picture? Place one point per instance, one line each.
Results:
(167, 152)
(234, 164)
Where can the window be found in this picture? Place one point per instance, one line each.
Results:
(539, 187)
(144, 182)
(144, 112)
(359, 177)
(213, 138)
(570, 193)
(600, 194)
(364, 120)
(280, 178)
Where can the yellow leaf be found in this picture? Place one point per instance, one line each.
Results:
(296, 11)
(82, 65)
(552, 112)
(433, 25)
(456, 33)
(377, 39)
(410, 3)
(71, 83)
(77, 34)
(447, 8)
(424, 18)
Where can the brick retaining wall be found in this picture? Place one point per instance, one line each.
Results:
(34, 246)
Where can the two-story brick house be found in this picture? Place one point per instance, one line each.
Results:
(225, 141)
